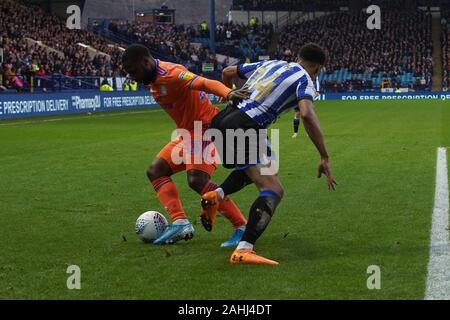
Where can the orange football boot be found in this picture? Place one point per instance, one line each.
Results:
(248, 256)
(210, 204)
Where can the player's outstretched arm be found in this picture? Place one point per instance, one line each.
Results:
(217, 88)
(210, 86)
(312, 127)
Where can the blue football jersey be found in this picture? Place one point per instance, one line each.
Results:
(275, 87)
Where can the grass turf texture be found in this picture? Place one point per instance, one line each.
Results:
(71, 191)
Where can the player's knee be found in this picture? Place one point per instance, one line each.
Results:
(279, 190)
(197, 181)
(159, 168)
(276, 188)
(152, 173)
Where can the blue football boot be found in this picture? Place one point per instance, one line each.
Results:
(234, 240)
(175, 233)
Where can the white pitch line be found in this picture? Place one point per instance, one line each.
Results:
(95, 115)
(438, 279)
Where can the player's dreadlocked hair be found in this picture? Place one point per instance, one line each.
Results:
(135, 52)
(314, 53)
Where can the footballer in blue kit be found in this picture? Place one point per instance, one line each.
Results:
(274, 87)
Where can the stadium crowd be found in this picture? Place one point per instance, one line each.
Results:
(403, 46)
(174, 42)
(288, 5)
(445, 33)
(358, 57)
(248, 41)
(21, 26)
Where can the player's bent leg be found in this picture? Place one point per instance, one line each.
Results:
(211, 201)
(261, 212)
(159, 174)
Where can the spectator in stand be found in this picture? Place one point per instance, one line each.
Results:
(14, 81)
(129, 85)
(204, 30)
(403, 46)
(105, 86)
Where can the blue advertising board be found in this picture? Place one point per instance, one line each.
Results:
(25, 105)
(368, 96)
(45, 104)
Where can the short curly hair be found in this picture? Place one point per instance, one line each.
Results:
(135, 52)
(314, 53)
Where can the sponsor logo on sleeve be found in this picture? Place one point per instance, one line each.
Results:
(186, 76)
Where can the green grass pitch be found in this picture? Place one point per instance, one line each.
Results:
(71, 190)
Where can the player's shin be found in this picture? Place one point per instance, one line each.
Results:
(296, 124)
(232, 213)
(261, 213)
(167, 193)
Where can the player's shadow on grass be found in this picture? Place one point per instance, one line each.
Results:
(289, 246)
(297, 247)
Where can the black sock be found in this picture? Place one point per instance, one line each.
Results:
(261, 212)
(296, 124)
(235, 181)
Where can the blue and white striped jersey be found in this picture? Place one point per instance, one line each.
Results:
(275, 87)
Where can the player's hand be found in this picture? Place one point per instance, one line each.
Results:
(324, 168)
(221, 100)
(238, 94)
